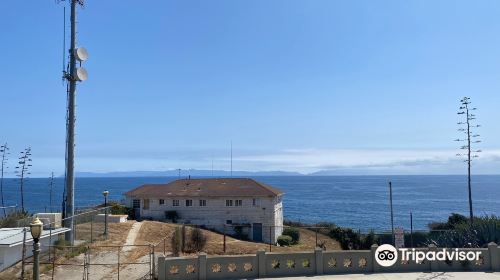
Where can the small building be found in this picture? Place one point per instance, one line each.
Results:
(11, 243)
(238, 206)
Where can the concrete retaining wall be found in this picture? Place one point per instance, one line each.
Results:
(318, 262)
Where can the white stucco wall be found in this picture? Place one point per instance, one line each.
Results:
(268, 211)
(11, 255)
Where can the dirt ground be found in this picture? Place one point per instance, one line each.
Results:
(133, 242)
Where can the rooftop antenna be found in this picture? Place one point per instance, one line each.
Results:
(231, 158)
(469, 139)
(72, 75)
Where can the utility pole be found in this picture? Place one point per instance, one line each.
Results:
(392, 213)
(51, 185)
(75, 74)
(411, 229)
(469, 139)
(4, 149)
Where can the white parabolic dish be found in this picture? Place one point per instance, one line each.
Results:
(81, 54)
(81, 74)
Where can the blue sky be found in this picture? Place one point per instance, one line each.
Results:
(371, 86)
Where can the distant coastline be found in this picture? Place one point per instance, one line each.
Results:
(197, 173)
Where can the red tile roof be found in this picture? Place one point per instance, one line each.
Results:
(241, 187)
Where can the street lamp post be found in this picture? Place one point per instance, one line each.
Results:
(105, 194)
(36, 228)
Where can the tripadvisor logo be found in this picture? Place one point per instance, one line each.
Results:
(386, 255)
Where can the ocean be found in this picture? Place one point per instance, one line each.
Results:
(360, 202)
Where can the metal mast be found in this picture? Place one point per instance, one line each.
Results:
(75, 74)
(4, 149)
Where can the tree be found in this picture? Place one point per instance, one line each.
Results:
(23, 171)
(4, 149)
(470, 138)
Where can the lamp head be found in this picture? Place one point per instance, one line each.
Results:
(105, 193)
(36, 228)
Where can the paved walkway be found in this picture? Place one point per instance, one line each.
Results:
(405, 276)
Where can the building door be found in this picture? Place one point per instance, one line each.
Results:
(257, 232)
(136, 204)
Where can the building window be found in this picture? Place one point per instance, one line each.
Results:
(162, 201)
(175, 202)
(145, 206)
(238, 202)
(189, 202)
(136, 203)
(203, 202)
(229, 202)
(228, 222)
(255, 202)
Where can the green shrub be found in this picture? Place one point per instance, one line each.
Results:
(294, 233)
(453, 220)
(347, 237)
(119, 209)
(285, 240)
(176, 242)
(11, 219)
(183, 243)
(197, 240)
(482, 231)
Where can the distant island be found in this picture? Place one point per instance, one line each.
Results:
(184, 173)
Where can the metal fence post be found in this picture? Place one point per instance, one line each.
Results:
(91, 228)
(153, 268)
(53, 262)
(316, 238)
(88, 262)
(270, 230)
(23, 253)
(224, 245)
(119, 249)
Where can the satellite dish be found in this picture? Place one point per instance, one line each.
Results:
(81, 54)
(81, 74)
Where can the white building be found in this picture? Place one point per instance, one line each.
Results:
(11, 244)
(226, 204)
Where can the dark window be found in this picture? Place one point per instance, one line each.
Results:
(175, 202)
(229, 202)
(162, 201)
(229, 222)
(189, 202)
(203, 202)
(136, 203)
